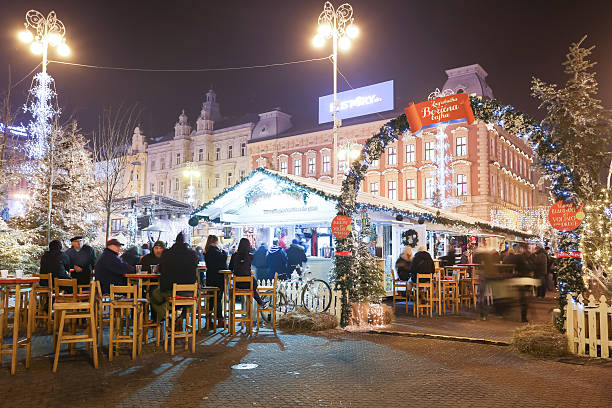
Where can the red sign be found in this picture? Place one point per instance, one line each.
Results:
(439, 110)
(343, 253)
(341, 226)
(565, 216)
(569, 254)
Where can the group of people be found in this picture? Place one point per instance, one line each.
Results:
(277, 260)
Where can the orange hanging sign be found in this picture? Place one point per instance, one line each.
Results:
(438, 110)
(341, 226)
(565, 216)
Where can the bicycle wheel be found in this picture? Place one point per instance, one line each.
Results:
(316, 296)
(283, 304)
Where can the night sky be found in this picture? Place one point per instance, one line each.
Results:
(411, 42)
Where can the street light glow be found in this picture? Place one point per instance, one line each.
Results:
(344, 43)
(325, 29)
(36, 47)
(318, 41)
(63, 49)
(26, 36)
(54, 39)
(352, 31)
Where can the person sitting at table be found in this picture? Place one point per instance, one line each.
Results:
(82, 259)
(421, 263)
(54, 262)
(152, 258)
(131, 256)
(402, 265)
(177, 265)
(240, 265)
(449, 258)
(110, 268)
(216, 260)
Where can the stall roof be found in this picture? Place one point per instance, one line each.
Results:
(234, 197)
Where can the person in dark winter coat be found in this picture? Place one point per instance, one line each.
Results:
(152, 258)
(200, 253)
(240, 265)
(522, 268)
(110, 268)
(82, 259)
(259, 261)
(177, 265)
(402, 265)
(421, 263)
(296, 256)
(539, 263)
(276, 262)
(54, 262)
(131, 256)
(449, 258)
(216, 260)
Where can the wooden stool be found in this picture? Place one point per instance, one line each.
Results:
(121, 309)
(44, 293)
(399, 284)
(424, 286)
(74, 311)
(269, 291)
(147, 322)
(207, 306)
(62, 295)
(185, 301)
(450, 293)
(102, 303)
(245, 313)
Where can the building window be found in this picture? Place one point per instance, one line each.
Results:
(201, 155)
(326, 164)
(461, 184)
(176, 184)
(229, 179)
(311, 165)
(410, 189)
(218, 153)
(429, 151)
(297, 167)
(342, 166)
(199, 183)
(392, 156)
(374, 188)
(162, 164)
(230, 151)
(505, 156)
(152, 164)
(392, 190)
(283, 166)
(461, 146)
(116, 224)
(501, 189)
(152, 187)
(492, 147)
(374, 163)
(243, 149)
(217, 180)
(178, 158)
(429, 187)
(410, 156)
(242, 174)
(161, 188)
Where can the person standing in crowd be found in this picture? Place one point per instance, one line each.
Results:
(82, 259)
(259, 262)
(550, 269)
(539, 264)
(177, 265)
(449, 258)
(200, 254)
(402, 265)
(277, 262)
(110, 268)
(522, 268)
(240, 265)
(152, 258)
(421, 263)
(296, 256)
(216, 260)
(54, 262)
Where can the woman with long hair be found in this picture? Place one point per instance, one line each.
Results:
(240, 265)
(216, 260)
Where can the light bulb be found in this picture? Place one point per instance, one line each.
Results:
(36, 47)
(344, 43)
(54, 39)
(318, 41)
(352, 31)
(63, 49)
(26, 36)
(325, 29)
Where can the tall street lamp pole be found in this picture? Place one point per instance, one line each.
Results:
(338, 25)
(47, 31)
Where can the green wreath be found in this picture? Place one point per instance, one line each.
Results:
(410, 238)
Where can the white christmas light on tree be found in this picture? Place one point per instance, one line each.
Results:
(444, 174)
(42, 110)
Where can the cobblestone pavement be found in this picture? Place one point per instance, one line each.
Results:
(337, 369)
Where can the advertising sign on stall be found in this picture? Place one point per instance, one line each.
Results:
(341, 226)
(565, 216)
(357, 102)
(438, 110)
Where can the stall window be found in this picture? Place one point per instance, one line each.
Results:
(461, 184)
(311, 165)
(429, 187)
(429, 150)
(283, 166)
(461, 146)
(410, 189)
(297, 167)
(326, 164)
(243, 149)
(374, 188)
(410, 156)
(392, 190)
(392, 156)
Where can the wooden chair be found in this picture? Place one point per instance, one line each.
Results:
(61, 294)
(188, 302)
(450, 293)
(124, 309)
(102, 311)
(424, 294)
(437, 295)
(245, 313)
(44, 293)
(75, 311)
(207, 306)
(400, 284)
(269, 291)
(148, 323)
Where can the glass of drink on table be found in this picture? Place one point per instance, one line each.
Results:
(138, 268)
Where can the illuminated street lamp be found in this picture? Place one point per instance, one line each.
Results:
(192, 173)
(348, 149)
(338, 25)
(41, 32)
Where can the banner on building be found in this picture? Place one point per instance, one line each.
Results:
(357, 102)
(438, 110)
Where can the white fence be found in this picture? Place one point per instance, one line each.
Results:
(293, 292)
(589, 326)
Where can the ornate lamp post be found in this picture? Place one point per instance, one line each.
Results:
(192, 173)
(41, 32)
(338, 25)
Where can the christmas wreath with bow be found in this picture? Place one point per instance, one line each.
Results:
(410, 238)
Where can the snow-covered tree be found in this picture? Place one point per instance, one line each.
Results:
(17, 250)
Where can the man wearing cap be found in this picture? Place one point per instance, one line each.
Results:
(154, 257)
(110, 268)
(82, 259)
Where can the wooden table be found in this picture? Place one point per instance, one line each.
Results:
(22, 284)
(139, 277)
